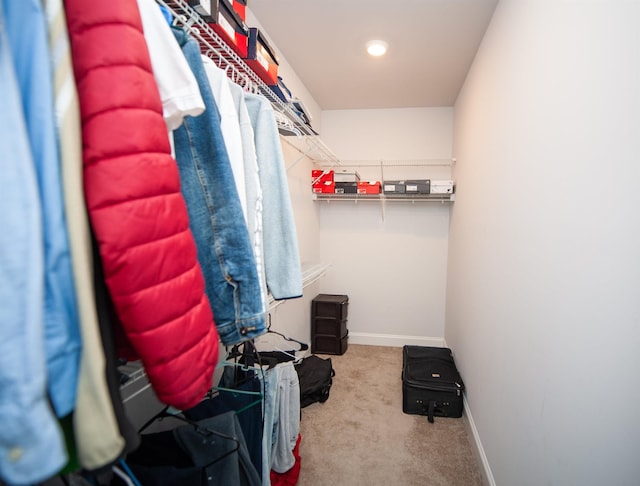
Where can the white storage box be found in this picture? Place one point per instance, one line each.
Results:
(441, 187)
(342, 175)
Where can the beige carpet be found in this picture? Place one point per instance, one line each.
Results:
(360, 436)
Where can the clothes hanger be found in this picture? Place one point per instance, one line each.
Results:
(251, 356)
(303, 346)
(125, 474)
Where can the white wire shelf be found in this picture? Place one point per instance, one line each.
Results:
(239, 72)
(385, 197)
(311, 272)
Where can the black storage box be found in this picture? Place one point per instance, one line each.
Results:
(329, 327)
(329, 344)
(329, 333)
(421, 186)
(394, 187)
(330, 305)
(431, 383)
(346, 188)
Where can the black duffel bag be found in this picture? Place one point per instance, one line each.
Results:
(315, 375)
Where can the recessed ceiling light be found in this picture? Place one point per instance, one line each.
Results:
(377, 47)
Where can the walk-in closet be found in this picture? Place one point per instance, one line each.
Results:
(225, 228)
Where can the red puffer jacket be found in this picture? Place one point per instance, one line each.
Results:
(137, 212)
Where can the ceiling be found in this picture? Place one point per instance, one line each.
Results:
(432, 44)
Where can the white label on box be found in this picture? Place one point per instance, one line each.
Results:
(390, 187)
(228, 28)
(262, 59)
(411, 188)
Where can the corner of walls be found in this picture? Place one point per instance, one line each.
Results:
(476, 443)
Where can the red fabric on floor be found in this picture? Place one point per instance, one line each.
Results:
(289, 478)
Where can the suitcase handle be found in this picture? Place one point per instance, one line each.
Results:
(431, 410)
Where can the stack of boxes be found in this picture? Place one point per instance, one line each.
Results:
(261, 57)
(346, 182)
(322, 182)
(329, 334)
(341, 182)
(418, 186)
(227, 19)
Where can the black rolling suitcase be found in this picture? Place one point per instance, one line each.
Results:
(431, 383)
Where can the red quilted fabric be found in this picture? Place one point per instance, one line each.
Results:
(137, 211)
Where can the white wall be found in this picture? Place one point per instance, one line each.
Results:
(396, 297)
(392, 268)
(543, 287)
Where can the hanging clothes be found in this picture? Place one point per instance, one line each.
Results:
(98, 441)
(209, 451)
(281, 256)
(176, 83)
(31, 442)
(27, 36)
(137, 211)
(281, 419)
(252, 182)
(244, 395)
(229, 126)
(216, 218)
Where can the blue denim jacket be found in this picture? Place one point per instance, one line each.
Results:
(216, 219)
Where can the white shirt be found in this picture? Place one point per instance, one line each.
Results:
(177, 84)
(229, 125)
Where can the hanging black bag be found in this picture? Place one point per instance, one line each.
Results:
(315, 375)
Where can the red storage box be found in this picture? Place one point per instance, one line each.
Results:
(321, 176)
(369, 187)
(240, 6)
(261, 57)
(322, 183)
(226, 22)
(324, 188)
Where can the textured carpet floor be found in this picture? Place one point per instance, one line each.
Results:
(360, 436)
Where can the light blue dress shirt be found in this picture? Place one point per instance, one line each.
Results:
(26, 29)
(39, 334)
(31, 444)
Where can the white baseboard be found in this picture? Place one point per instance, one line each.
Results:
(373, 339)
(485, 469)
